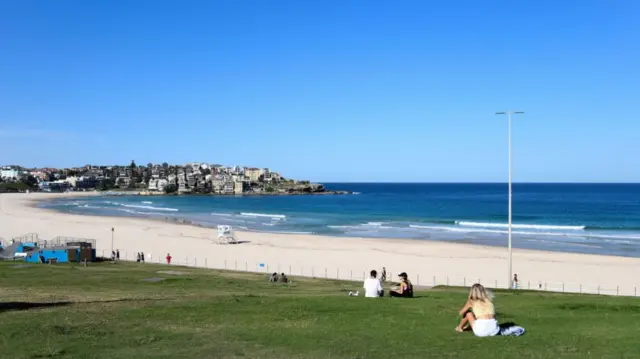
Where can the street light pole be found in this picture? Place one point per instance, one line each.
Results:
(509, 114)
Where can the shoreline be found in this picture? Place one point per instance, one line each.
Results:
(522, 241)
(425, 260)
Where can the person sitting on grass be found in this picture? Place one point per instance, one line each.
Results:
(372, 286)
(479, 313)
(405, 289)
(283, 278)
(274, 277)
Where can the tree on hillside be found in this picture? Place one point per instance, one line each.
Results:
(30, 181)
(170, 188)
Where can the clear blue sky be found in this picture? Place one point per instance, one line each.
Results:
(326, 90)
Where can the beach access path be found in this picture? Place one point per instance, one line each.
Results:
(427, 262)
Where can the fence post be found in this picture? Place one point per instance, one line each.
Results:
(580, 287)
(479, 281)
(351, 275)
(545, 285)
(598, 288)
(496, 286)
(562, 287)
(235, 264)
(225, 264)
(617, 290)
(418, 279)
(434, 280)
(246, 267)
(289, 269)
(464, 281)
(447, 281)
(205, 263)
(634, 291)
(338, 273)
(325, 272)
(195, 261)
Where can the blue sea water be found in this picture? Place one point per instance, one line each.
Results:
(584, 218)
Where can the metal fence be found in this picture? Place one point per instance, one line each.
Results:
(348, 274)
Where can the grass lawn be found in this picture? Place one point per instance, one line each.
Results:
(107, 311)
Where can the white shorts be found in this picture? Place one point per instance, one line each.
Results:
(486, 327)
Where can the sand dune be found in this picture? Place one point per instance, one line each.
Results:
(425, 261)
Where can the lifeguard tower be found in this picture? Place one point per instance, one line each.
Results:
(225, 235)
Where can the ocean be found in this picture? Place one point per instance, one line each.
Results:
(581, 218)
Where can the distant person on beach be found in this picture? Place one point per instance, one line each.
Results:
(405, 289)
(479, 313)
(274, 278)
(372, 286)
(142, 256)
(515, 281)
(283, 278)
(138, 257)
(383, 275)
(117, 254)
(113, 255)
(168, 258)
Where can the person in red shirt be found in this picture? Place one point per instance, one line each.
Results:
(168, 258)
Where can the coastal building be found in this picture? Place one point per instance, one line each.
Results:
(252, 173)
(217, 183)
(229, 187)
(123, 181)
(9, 174)
(238, 187)
(182, 183)
(158, 185)
(191, 180)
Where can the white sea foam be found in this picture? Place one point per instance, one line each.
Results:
(147, 202)
(280, 216)
(165, 209)
(377, 224)
(583, 234)
(520, 226)
(222, 214)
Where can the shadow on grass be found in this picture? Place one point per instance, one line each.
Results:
(21, 306)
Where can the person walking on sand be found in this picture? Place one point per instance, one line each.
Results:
(138, 257)
(383, 275)
(142, 256)
(168, 258)
(117, 254)
(515, 282)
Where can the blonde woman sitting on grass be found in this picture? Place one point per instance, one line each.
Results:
(479, 313)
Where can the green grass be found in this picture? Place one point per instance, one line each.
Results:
(106, 311)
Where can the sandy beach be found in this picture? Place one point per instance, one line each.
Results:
(427, 262)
